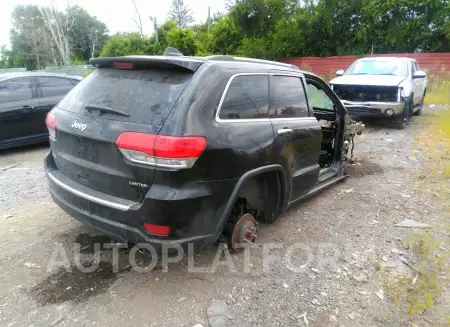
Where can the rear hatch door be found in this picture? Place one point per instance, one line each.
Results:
(91, 117)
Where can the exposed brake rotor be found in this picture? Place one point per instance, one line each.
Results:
(244, 232)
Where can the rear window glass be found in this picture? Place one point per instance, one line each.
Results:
(147, 96)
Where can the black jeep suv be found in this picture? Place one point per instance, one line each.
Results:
(171, 150)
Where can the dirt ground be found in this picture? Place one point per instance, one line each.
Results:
(345, 233)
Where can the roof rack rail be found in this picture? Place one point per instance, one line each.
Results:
(250, 60)
(220, 57)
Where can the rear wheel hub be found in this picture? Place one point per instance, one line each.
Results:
(244, 232)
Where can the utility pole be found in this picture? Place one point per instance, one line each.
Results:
(155, 26)
(209, 20)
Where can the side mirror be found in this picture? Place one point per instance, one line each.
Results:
(340, 72)
(419, 74)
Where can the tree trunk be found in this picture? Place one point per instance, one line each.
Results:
(59, 25)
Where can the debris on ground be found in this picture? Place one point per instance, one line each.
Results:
(399, 266)
(181, 299)
(31, 265)
(57, 321)
(305, 320)
(410, 223)
(6, 216)
(316, 302)
(380, 294)
(360, 278)
(396, 251)
(219, 313)
(8, 167)
(352, 316)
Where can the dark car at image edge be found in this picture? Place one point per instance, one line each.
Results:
(25, 100)
(171, 150)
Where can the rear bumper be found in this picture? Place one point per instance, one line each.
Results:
(374, 109)
(192, 219)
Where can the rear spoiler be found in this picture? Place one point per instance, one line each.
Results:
(136, 62)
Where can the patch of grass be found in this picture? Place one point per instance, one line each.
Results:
(429, 250)
(438, 91)
(415, 295)
(433, 146)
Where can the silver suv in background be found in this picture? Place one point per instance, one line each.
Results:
(387, 87)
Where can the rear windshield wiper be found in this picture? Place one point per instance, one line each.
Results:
(106, 109)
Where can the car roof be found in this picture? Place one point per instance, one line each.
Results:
(4, 76)
(192, 63)
(262, 62)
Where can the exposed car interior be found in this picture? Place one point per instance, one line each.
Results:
(325, 113)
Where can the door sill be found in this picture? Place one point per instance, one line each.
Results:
(326, 174)
(319, 188)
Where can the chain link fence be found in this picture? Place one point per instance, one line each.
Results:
(11, 70)
(76, 70)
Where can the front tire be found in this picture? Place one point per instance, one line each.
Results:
(402, 120)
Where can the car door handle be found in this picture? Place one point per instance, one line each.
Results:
(285, 131)
(27, 107)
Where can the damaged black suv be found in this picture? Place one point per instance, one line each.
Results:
(172, 150)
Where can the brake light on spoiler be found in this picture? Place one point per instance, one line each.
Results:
(124, 65)
(161, 150)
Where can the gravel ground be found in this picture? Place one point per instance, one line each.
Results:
(342, 236)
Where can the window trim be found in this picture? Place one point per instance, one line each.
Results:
(268, 119)
(33, 88)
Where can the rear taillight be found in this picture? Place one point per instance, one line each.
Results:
(157, 229)
(50, 121)
(161, 150)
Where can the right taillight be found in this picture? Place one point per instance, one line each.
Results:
(161, 150)
(50, 121)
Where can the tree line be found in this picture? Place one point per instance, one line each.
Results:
(42, 36)
(268, 29)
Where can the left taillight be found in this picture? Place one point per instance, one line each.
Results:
(161, 150)
(50, 121)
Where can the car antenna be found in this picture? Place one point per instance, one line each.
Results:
(173, 52)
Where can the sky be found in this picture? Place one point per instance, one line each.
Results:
(116, 14)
